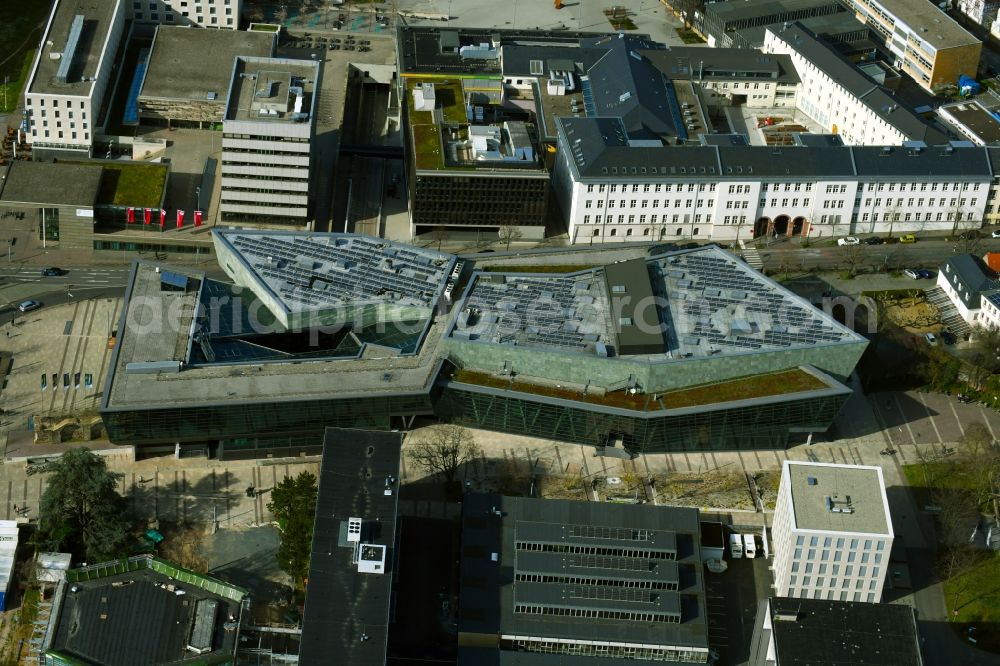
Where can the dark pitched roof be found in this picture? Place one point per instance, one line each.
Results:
(970, 277)
(786, 161)
(625, 84)
(343, 605)
(944, 161)
(843, 633)
(880, 100)
(600, 149)
(689, 62)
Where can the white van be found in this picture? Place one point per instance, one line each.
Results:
(735, 546)
(749, 549)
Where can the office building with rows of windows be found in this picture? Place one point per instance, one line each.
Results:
(221, 14)
(65, 92)
(558, 579)
(832, 532)
(267, 137)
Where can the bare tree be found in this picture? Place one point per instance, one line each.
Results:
(687, 9)
(443, 450)
(852, 255)
(976, 441)
(438, 234)
(281, 15)
(508, 234)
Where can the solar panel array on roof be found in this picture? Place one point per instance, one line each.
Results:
(309, 272)
(719, 305)
(564, 313)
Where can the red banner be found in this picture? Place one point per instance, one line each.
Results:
(130, 215)
(197, 218)
(163, 217)
(180, 219)
(147, 216)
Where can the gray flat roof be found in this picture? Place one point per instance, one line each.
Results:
(190, 63)
(864, 486)
(342, 604)
(52, 184)
(929, 23)
(844, 632)
(157, 325)
(97, 20)
(976, 118)
(627, 539)
(260, 83)
(735, 10)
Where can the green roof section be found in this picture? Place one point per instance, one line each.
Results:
(124, 565)
(129, 184)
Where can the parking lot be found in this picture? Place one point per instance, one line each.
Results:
(731, 598)
(913, 417)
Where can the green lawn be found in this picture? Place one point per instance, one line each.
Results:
(427, 146)
(924, 479)
(778, 383)
(130, 184)
(979, 605)
(21, 23)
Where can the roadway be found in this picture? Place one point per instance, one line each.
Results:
(925, 253)
(19, 283)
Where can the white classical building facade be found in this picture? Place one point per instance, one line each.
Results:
(832, 532)
(612, 192)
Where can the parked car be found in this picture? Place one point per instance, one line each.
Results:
(52, 271)
(912, 274)
(908, 238)
(947, 337)
(930, 338)
(874, 240)
(749, 547)
(996, 234)
(735, 546)
(969, 235)
(925, 274)
(28, 306)
(850, 240)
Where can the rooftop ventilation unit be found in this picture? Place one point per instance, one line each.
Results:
(354, 530)
(72, 42)
(811, 480)
(371, 558)
(839, 504)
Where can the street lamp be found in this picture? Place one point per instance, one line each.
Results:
(197, 198)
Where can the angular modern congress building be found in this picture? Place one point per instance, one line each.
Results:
(679, 351)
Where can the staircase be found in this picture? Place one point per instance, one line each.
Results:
(949, 313)
(751, 256)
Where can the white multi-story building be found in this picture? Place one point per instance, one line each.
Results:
(832, 532)
(927, 43)
(983, 12)
(223, 14)
(70, 75)
(266, 141)
(841, 99)
(611, 191)
(973, 289)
